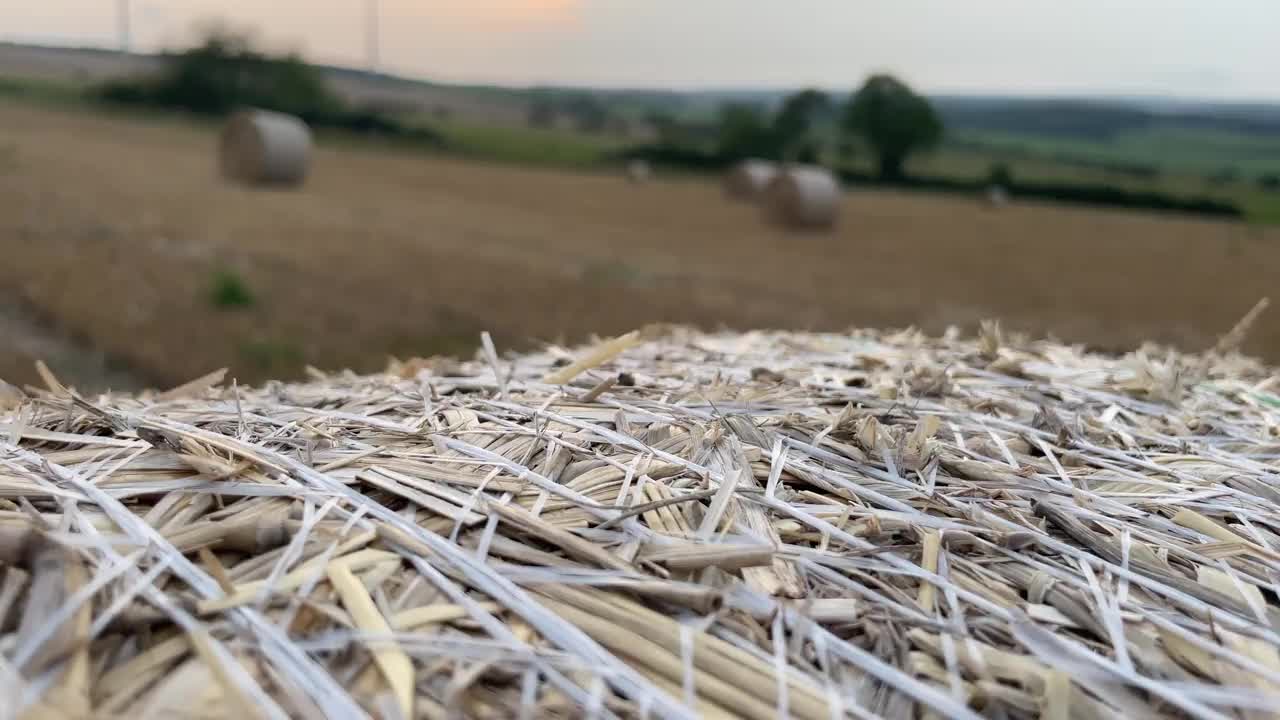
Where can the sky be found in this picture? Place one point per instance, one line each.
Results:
(1225, 49)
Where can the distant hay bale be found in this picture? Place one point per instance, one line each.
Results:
(997, 196)
(803, 196)
(261, 147)
(639, 171)
(749, 179)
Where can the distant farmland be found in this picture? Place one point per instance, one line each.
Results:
(80, 66)
(1204, 150)
(115, 231)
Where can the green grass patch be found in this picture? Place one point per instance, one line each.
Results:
(1184, 151)
(229, 291)
(531, 146)
(614, 273)
(272, 356)
(1263, 209)
(1036, 164)
(40, 90)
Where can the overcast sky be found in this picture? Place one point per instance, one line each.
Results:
(1193, 48)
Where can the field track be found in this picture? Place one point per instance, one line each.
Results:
(113, 228)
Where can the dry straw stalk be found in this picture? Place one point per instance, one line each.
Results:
(674, 525)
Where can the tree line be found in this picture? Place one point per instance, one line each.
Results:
(225, 72)
(884, 115)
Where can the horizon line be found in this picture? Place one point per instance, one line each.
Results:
(393, 73)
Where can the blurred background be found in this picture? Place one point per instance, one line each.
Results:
(545, 170)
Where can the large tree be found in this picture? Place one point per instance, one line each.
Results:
(799, 121)
(893, 120)
(744, 132)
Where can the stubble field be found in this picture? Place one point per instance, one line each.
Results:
(113, 229)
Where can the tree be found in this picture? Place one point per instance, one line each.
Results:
(225, 72)
(798, 121)
(744, 132)
(893, 120)
(542, 112)
(663, 125)
(1000, 174)
(1269, 182)
(589, 114)
(846, 151)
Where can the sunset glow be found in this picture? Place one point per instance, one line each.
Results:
(1014, 45)
(502, 12)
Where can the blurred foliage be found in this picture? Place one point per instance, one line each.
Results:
(273, 357)
(1095, 194)
(542, 112)
(677, 157)
(1000, 174)
(1058, 118)
(584, 110)
(894, 121)
(675, 132)
(1113, 122)
(1073, 159)
(527, 145)
(663, 125)
(225, 73)
(888, 121)
(744, 132)
(885, 120)
(800, 125)
(589, 113)
(229, 291)
(41, 90)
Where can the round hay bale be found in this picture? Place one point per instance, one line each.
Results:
(803, 196)
(749, 179)
(997, 196)
(639, 171)
(261, 147)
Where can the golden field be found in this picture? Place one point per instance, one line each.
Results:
(112, 229)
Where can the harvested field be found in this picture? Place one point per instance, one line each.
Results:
(115, 228)
(669, 524)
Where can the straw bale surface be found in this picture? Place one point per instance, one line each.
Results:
(803, 196)
(639, 171)
(261, 147)
(666, 524)
(997, 196)
(748, 179)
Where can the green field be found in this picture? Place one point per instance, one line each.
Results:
(524, 145)
(1174, 150)
(1185, 160)
(40, 90)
